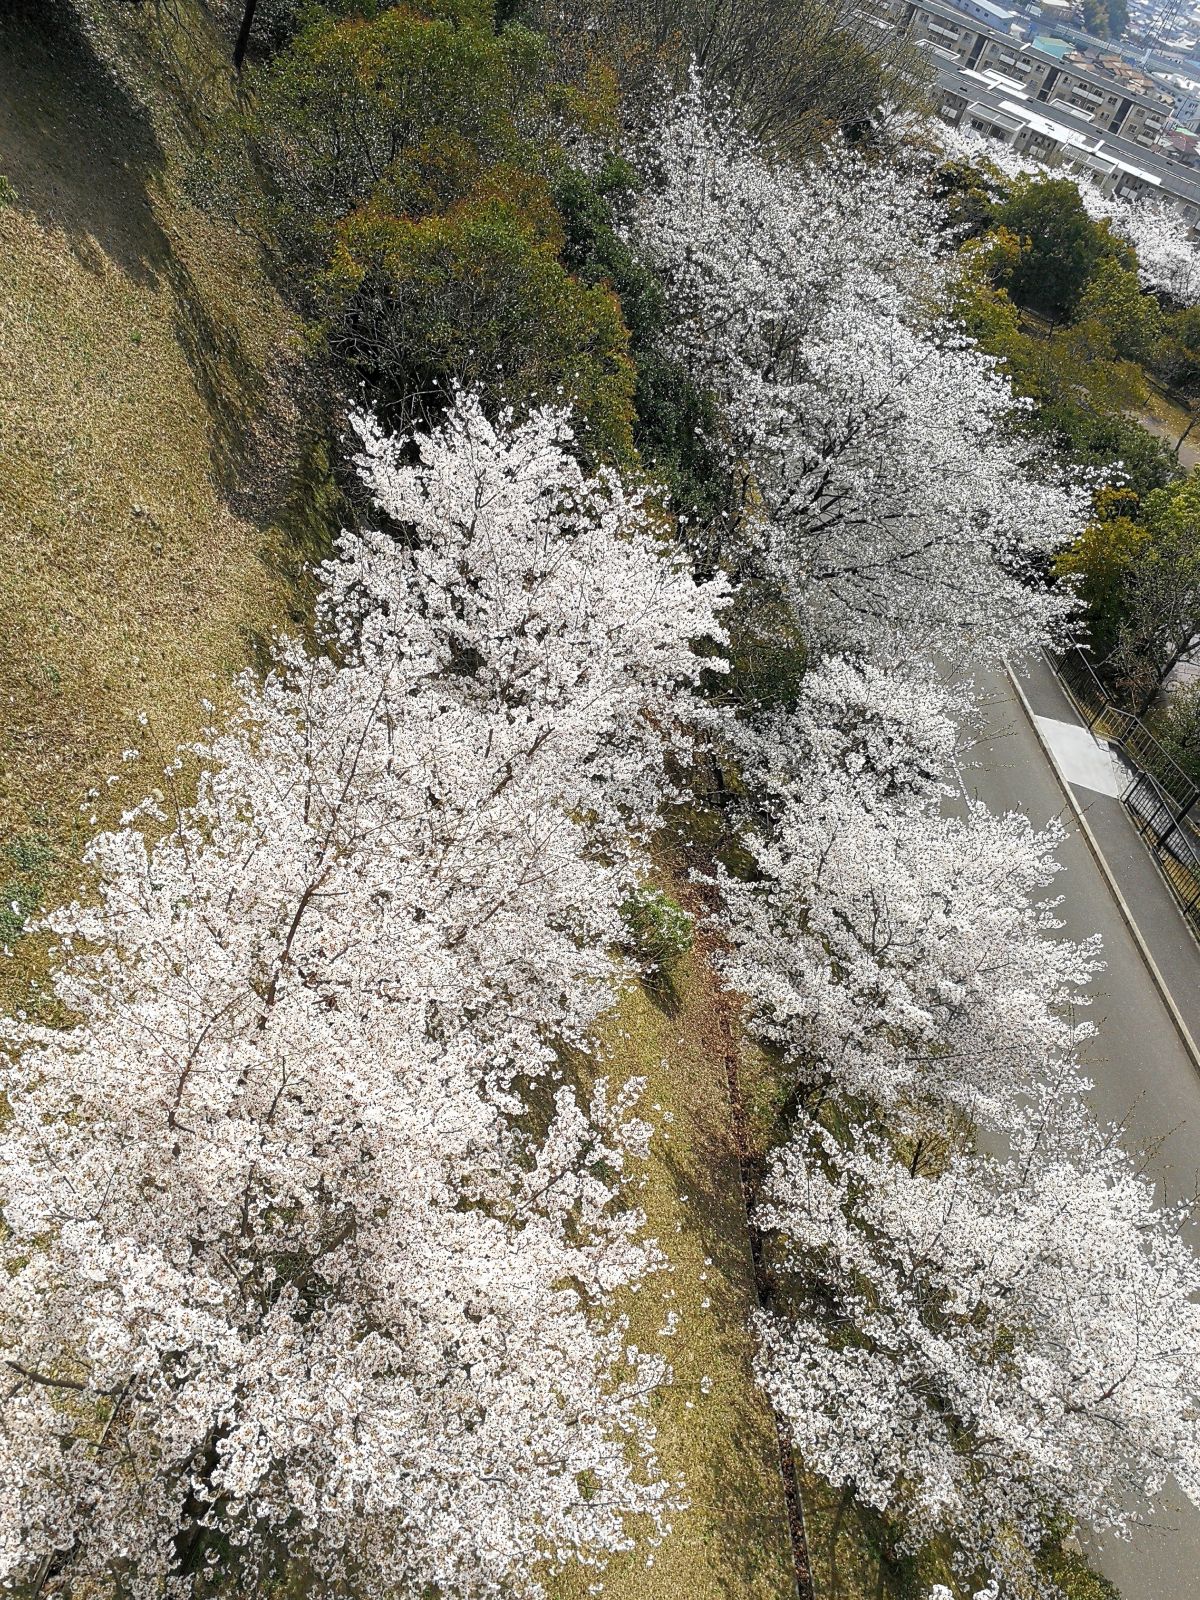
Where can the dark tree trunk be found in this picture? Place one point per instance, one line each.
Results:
(243, 38)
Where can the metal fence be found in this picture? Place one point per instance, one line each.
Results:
(1161, 798)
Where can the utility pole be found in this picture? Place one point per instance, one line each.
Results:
(243, 38)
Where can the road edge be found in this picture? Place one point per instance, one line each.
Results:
(1093, 844)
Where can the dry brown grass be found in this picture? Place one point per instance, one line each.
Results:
(145, 553)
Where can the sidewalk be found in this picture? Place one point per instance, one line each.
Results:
(1097, 777)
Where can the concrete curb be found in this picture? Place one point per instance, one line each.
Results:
(1085, 828)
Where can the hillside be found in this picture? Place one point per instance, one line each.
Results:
(542, 1080)
(152, 537)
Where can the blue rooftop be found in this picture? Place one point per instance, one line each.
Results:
(1053, 47)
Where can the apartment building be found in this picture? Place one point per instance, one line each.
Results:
(1124, 103)
(1059, 136)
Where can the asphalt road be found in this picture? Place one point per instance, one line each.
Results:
(1143, 1073)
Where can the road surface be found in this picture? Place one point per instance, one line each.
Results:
(1143, 1072)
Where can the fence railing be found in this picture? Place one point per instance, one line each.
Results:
(1161, 798)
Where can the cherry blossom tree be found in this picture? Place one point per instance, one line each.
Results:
(544, 601)
(979, 1349)
(887, 947)
(883, 491)
(1168, 260)
(296, 1269)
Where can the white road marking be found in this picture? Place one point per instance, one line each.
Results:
(1084, 761)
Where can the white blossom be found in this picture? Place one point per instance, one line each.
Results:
(981, 1348)
(291, 1258)
(883, 491)
(886, 946)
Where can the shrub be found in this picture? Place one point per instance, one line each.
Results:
(1126, 322)
(1177, 725)
(660, 931)
(1101, 561)
(477, 296)
(357, 109)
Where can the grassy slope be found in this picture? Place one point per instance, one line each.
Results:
(143, 551)
(136, 336)
(732, 1541)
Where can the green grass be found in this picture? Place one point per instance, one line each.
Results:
(732, 1540)
(27, 864)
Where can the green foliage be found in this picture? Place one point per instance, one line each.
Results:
(405, 110)
(1035, 249)
(798, 70)
(411, 199)
(1176, 358)
(277, 22)
(26, 864)
(1071, 1573)
(768, 655)
(1080, 394)
(674, 420)
(478, 296)
(1122, 322)
(1107, 19)
(969, 192)
(1061, 246)
(1177, 724)
(1101, 562)
(1161, 601)
(660, 931)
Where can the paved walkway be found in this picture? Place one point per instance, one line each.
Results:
(1144, 1075)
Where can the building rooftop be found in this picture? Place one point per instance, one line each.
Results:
(1085, 66)
(1067, 126)
(1052, 47)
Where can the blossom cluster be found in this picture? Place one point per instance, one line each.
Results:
(990, 1320)
(309, 1262)
(890, 944)
(884, 495)
(1026, 1331)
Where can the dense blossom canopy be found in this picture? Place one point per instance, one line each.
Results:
(314, 1248)
(284, 1266)
(983, 1346)
(889, 947)
(883, 492)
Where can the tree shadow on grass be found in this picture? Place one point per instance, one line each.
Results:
(84, 160)
(661, 988)
(79, 153)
